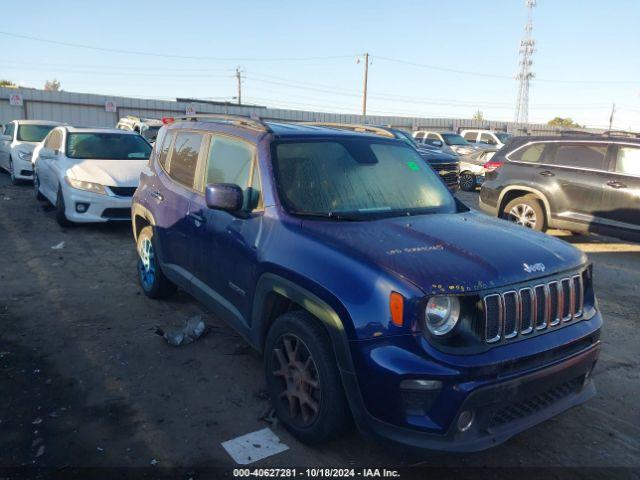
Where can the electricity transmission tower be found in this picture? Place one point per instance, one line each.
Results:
(525, 74)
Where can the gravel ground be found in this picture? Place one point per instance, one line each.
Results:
(86, 382)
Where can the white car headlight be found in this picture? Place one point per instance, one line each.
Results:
(442, 314)
(86, 186)
(26, 156)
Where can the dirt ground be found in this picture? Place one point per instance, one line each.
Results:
(84, 381)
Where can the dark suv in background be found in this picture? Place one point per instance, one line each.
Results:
(577, 182)
(372, 292)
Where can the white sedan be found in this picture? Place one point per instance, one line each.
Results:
(89, 174)
(17, 142)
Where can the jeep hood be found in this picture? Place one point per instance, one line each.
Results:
(450, 252)
(114, 173)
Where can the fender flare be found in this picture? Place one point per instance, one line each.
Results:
(140, 211)
(540, 194)
(272, 283)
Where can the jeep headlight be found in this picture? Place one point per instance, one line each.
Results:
(25, 156)
(442, 314)
(86, 186)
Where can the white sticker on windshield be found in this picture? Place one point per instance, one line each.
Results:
(141, 155)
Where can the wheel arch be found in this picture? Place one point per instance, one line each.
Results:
(516, 191)
(275, 295)
(140, 217)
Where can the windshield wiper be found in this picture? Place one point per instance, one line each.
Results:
(340, 217)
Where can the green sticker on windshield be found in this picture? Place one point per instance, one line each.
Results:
(413, 166)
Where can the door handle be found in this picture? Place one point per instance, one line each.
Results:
(546, 173)
(197, 217)
(157, 195)
(616, 184)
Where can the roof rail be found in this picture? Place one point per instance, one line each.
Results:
(577, 132)
(620, 133)
(356, 127)
(239, 120)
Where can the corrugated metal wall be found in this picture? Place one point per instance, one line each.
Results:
(83, 109)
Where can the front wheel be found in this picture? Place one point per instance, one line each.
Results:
(12, 173)
(303, 379)
(467, 181)
(526, 211)
(61, 216)
(152, 280)
(36, 187)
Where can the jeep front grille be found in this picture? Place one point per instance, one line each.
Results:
(520, 312)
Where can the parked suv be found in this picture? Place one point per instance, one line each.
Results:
(486, 137)
(450, 141)
(582, 183)
(447, 166)
(147, 127)
(370, 290)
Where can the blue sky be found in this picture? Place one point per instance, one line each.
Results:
(297, 54)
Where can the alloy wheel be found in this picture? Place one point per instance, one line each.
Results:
(146, 265)
(524, 215)
(300, 381)
(466, 181)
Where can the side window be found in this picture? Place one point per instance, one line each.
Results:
(419, 136)
(591, 156)
(471, 137)
(433, 136)
(231, 161)
(488, 139)
(54, 140)
(163, 145)
(184, 157)
(9, 129)
(530, 154)
(628, 161)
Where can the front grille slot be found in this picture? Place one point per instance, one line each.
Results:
(554, 304)
(542, 307)
(512, 313)
(493, 318)
(510, 300)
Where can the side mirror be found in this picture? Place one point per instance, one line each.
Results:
(223, 196)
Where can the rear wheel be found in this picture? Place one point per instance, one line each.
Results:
(152, 280)
(526, 211)
(61, 216)
(467, 181)
(303, 379)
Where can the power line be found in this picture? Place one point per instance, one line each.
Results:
(166, 55)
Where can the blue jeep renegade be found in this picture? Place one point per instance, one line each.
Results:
(372, 292)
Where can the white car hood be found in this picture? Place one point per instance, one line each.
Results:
(25, 146)
(112, 173)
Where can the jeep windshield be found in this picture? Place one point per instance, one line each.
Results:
(356, 179)
(33, 133)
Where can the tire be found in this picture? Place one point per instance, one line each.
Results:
(12, 174)
(152, 280)
(61, 216)
(306, 390)
(36, 187)
(526, 211)
(467, 181)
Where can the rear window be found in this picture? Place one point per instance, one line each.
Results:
(590, 156)
(109, 146)
(628, 161)
(33, 133)
(529, 154)
(470, 136)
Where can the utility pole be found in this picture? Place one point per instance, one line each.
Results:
(527, 47)
(613, 111)
(239, 78)
(364, 92)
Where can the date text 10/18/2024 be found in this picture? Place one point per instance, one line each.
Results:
(315, 473)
